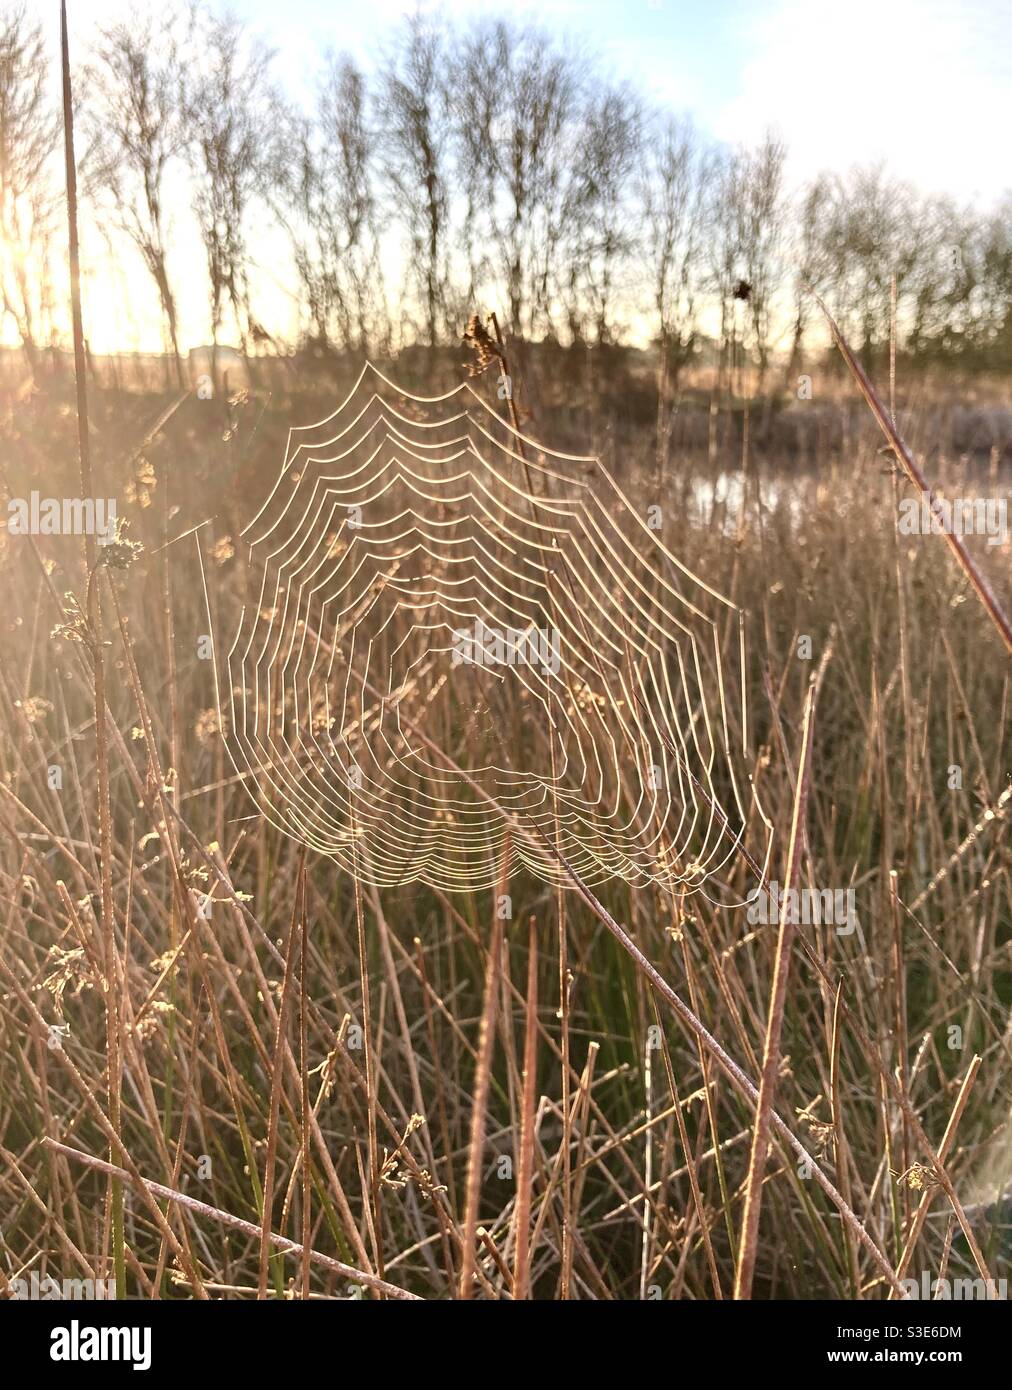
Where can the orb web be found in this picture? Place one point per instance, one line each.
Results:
(453, 633)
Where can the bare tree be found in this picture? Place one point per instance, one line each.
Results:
(599, 220)
(135, 133)
(873, 232)
(674, 185)
(413, 105)
(993, 295)
(749, 223)
(943, 282)
(520, 177)
(808, 255)
(516, 103)
(228, 106)
(322, 191)
(29, 132)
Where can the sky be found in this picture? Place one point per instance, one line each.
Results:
(923, 85)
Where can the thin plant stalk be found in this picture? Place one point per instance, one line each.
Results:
(94, 609)
(775, 1022)
(914, 472)
(225, 1218)
(525, 1164)
(728, 1065)
(479, 1105)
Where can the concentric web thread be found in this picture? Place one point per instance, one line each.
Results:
(456, 630)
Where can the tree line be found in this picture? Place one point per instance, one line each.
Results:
(492, 164)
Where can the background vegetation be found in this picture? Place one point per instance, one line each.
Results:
(314, 1060)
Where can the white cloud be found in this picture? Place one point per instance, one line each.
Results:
(924, 84)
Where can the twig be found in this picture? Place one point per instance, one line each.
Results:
(775, 1022)
(948, 1139)
(94, 612)
(695, 1025)
(900, 448)
(483, 1071)
(226, 1218)
(525, 1164)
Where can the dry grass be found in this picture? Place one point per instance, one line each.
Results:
(273, 1058)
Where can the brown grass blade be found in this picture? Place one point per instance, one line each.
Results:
(225, 1218)
(479, 1104)
(525, 1164)
(775, 1022)
(914, 472)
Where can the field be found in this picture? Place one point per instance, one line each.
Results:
(427, 1095)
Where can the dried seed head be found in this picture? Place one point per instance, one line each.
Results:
(481, 343)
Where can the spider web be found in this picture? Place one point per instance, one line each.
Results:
(456, 629)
